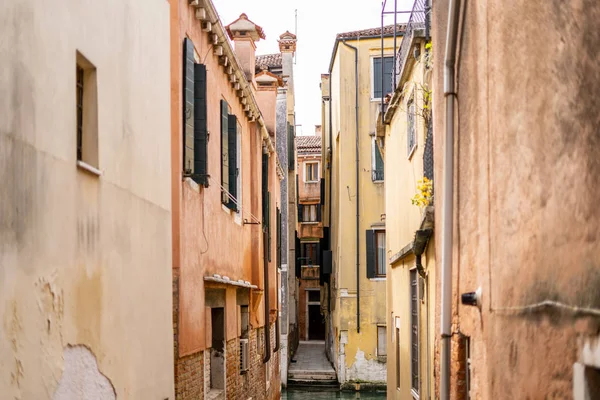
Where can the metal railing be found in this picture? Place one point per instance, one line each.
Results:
(419, 19)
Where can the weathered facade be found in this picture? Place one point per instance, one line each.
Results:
(355, 220)
(526, 184)
(310, 234)
(407, 142)
(85, 212)
(282, 65)
(225, 196)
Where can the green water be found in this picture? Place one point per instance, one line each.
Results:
(326, 395)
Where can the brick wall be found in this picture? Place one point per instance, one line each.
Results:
(189, 376)
(232, 368)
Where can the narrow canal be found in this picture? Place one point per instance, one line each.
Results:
(327, 395)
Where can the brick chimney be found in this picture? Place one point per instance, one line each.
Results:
(245, 34)
(287, 47)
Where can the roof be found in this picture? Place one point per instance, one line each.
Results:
(309, 144)
(269, 61)
(387, 30)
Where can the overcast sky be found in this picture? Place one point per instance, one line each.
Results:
(318, 23)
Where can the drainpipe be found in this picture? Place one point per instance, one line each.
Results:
(277, 342)
(357, 187)
(267, 355)
(330, 185)
(448, 199)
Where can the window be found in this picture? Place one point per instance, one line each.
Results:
(309, 253)
(314, 295)
(381, 341)
(195, 128)
(381, 262)
(376, 162)
(414, 332)
(388, 64)
(376, 256)
(86, 109)
(310, 213)
(311, 171)
(411, 134)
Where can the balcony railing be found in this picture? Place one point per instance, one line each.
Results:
(418, 20)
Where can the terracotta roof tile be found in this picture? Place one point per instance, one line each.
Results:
(308, 144)
(269, 61)
(387, 30)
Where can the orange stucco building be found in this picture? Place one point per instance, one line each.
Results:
(225, 199)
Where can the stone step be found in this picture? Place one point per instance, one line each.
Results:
(305, 385)
(307, 375)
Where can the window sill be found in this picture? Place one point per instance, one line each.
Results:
(378, 279)
(88, 168)
(192, 184)
(379, 181)
(309, 222)
(311, 181)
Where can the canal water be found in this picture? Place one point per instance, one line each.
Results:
(327, 395)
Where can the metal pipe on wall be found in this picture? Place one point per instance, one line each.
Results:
(448, 198)
(357, 186)
(267, 355)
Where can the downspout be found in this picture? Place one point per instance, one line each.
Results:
(277, 341)
(357, 188)
(448, 199)
(267, 355)
(330, 183)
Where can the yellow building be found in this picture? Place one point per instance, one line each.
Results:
(408, 152)
(354, 209)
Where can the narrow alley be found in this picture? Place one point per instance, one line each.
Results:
(259, 200)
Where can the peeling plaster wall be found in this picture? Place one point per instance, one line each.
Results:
(527, 186)
(85, 260)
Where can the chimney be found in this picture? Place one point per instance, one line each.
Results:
(245, 34)
(287, 47)
(266, 97)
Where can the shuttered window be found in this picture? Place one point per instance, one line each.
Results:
(386, 82)
(232, 159)
(376, 261)
(188, 107)
(414, 331)
(411, 130)
(200, 173)
(225, 151)
(377, 162)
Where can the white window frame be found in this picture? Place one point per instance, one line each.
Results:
(374, 162)
(311, 208)
(415, 393)
(372, 92)
(318, 169)
(238, 213)
(412, 101)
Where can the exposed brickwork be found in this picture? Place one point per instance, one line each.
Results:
(189, 379)
(233, 368)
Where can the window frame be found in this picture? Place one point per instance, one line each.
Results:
(86, 110)
(376, 232)
(317, 169)
(411, 116)
(414, 347)
(374, 149)
(314, 256)
(308, 209)
(384, 327)
(372, 92)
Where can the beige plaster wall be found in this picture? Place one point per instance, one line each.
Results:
(85, 260)
(526, 224)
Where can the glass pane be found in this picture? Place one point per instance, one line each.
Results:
(313, 213)
(387, 74)
(381, 261)
(314, 295)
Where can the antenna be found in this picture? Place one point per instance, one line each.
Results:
(296, 33)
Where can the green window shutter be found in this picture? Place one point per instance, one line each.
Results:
(225, 150)
(269, 224)
(377, 78)
(200, 126)
(291, 149)
(265, 187)
(322, 193)
(319, 215)
(371, 267)
(188, 107)
(378, 173)
(297, 253)
(300, 211)
(278, 237)
(233, 168)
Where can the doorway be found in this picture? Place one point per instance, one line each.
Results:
(316, 323)
(217, 352)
